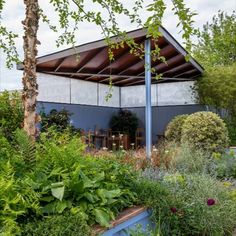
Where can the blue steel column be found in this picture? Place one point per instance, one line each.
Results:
(148, 107)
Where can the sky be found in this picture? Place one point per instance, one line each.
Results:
(14, 14)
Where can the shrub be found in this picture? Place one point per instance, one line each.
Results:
(174, 128)
(225, 165)
(60, 120)
(11, 113)
(189, 204)
(205, 131)
(125, 121)
(187, 160)
(57, 225)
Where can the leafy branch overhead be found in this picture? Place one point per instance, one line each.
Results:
(103, 13)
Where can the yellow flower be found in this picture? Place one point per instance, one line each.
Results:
(216, 155)
(227, 184)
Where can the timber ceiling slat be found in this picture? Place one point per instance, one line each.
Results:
(81, 65)
(177, 70)
(60, 62)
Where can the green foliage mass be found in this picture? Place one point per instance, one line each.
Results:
(216, 50)
(174, 128)
(57, 225)
(217, 41)
(205, 131)
(217, 88)
(61, 179)
(11, 113)
(59, 119)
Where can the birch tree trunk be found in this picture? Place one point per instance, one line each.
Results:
(30, 87)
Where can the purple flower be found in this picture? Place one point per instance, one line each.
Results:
(173, 209)
(211, 202)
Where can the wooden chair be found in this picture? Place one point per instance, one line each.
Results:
(87, 137)
(113, 137)
(139, 137)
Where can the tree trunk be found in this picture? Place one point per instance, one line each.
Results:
(29, 80)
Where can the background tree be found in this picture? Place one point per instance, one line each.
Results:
(217, 41)
(216, 50)
(71, 13)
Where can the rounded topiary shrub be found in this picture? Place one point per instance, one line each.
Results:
(205, 131)
(174, 128)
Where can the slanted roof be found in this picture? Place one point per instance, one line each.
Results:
(127, 69)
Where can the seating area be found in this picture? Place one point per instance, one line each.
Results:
(113, 140)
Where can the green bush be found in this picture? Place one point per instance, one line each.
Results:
(125, 121)
(67, 224)
(189, 204)
(205, 131)
(174, 128)
(60, 120)
(11, 113)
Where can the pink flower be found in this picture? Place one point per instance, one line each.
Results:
(173, 209)
(211, 202)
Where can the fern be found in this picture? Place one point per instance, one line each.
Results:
(26, 147)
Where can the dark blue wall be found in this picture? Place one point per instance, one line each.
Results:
(83, 116)
(162, 115)
(87, 117)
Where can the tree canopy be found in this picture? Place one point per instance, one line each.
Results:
(103, 13)
(217, 41)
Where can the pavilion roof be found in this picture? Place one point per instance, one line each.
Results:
(127, 69)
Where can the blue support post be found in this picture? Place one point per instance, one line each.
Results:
(148, 107)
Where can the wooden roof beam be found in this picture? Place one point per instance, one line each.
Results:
(88, 58)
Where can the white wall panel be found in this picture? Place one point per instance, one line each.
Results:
(84, 92)
(65, 90)
(179, 93)
(53, 88)
(134, 96)
(114, 101)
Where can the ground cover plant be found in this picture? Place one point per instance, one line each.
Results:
(188, 204)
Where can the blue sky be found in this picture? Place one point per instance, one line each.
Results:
(14, 14)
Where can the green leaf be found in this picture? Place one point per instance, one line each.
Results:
(58, 190)
(101, 217)
(106, 195)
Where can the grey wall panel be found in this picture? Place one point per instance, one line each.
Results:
(85, 117)
(162, 115)
(84, 92)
